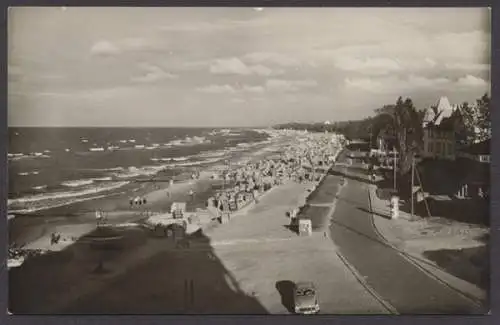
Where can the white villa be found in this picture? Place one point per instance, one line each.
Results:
(439, 131)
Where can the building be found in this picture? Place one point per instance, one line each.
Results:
(439, 131)
(479, 152)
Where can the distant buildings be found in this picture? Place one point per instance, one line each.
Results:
(439, 129)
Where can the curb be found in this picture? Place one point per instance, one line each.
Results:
(416, 262)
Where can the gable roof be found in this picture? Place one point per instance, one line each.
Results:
(443, 104)
(444, 111)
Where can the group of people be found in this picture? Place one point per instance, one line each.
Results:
(137, 201)
(297, 162)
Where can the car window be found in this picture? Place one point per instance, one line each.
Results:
(305, 292)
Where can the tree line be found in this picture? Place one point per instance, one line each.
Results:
(402, 122)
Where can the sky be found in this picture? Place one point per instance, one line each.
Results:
(208, 67)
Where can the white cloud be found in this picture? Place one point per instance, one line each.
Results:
(411, 50)
(154, 73)
(271, 57)
(236, 66)
(394, 85)
(104, 48)
(136, 43)
(289, 85)
(192, 27)
(430, 62)
(109, 48)
(253, 89)
(364, 84)
(271, 85)
(468, 66)
(217, 89)
(368, 65)
(471, 81)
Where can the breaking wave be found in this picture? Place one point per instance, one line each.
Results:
(66, 194)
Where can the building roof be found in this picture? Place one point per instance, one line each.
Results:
(429, 115)
(444, 111)
(443, 104)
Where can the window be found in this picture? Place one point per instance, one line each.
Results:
(430, 147)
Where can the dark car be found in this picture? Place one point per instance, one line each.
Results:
(306, 298)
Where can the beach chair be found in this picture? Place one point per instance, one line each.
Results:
(178, 209)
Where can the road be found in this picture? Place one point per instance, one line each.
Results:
(394, 278)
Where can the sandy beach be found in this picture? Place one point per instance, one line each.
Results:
(76, 261)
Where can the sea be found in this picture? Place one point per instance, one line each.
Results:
(53, 167)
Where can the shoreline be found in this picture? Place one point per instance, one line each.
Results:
(76, 263)
(33, 231)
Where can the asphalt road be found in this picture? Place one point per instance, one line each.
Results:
(399, 282)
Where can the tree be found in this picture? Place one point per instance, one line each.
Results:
(467, 120)
(484, 117)
(475, 121)
(405, 122)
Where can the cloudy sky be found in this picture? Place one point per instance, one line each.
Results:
(237, 66)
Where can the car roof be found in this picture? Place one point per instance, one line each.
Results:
(304, 285)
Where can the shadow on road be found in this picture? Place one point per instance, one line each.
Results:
(285, 289)
(294, 229)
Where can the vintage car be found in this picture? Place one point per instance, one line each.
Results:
(306, 298)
